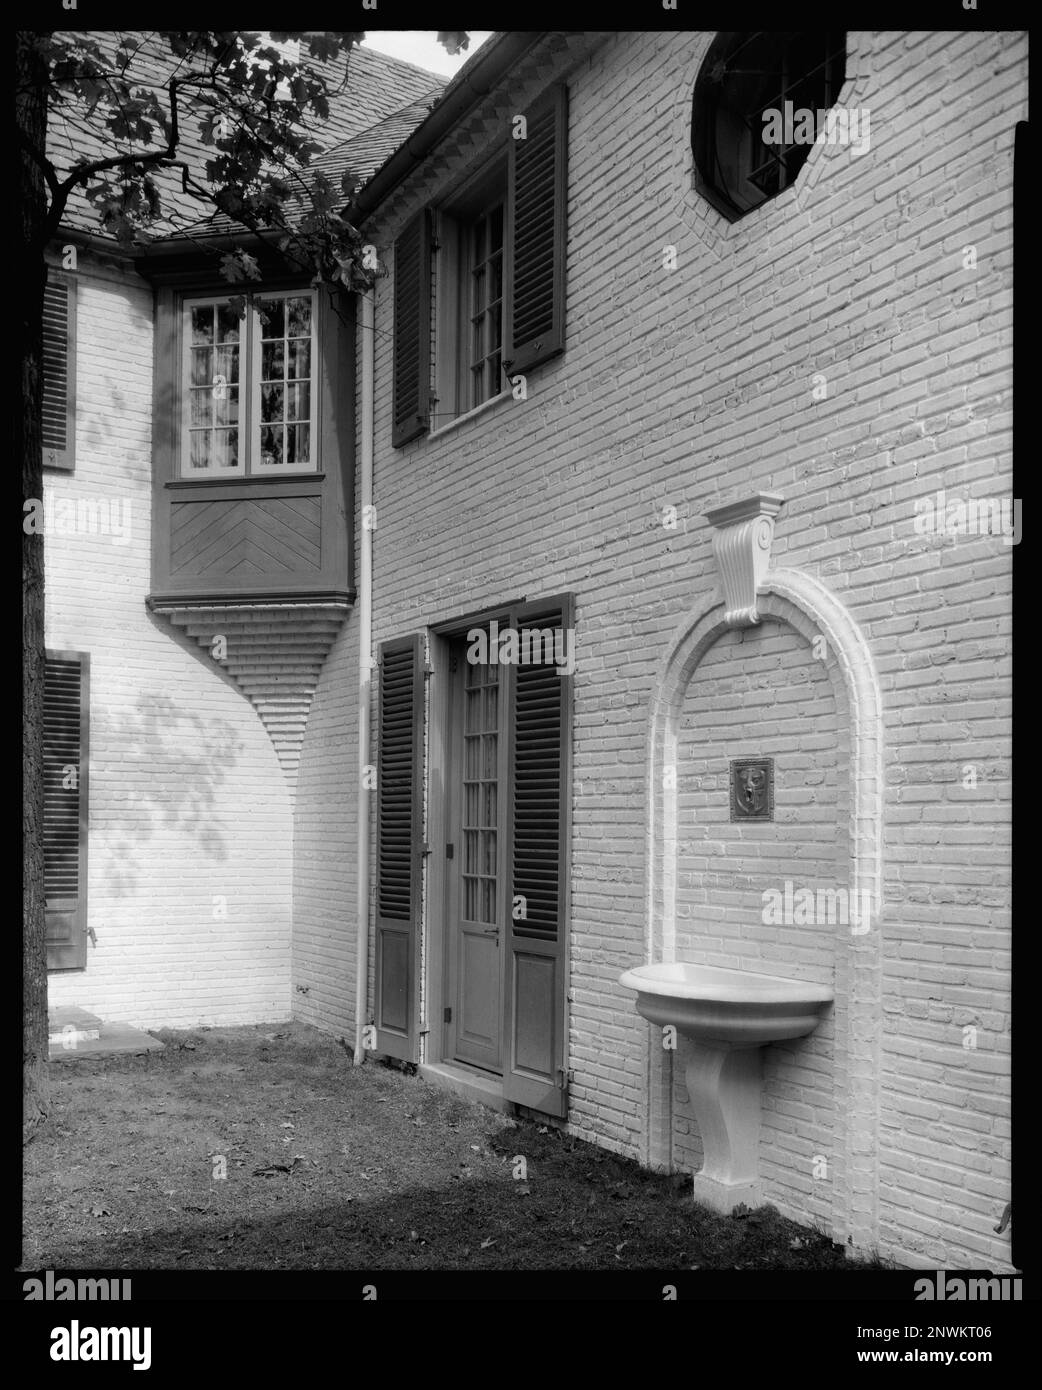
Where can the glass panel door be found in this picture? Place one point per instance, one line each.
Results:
(478, 965)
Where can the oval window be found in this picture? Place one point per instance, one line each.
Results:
(761, 100)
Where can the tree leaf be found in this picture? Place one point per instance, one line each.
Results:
(454, 40)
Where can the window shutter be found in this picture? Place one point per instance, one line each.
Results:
(59, 373)
(412, 331)
(537, 207)
(65, 759)
(399, 852)
(536, 966)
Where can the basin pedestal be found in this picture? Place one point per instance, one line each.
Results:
(723, 1084)
(727, 1018)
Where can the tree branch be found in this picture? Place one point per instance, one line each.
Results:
(50, 173)
(79, 176)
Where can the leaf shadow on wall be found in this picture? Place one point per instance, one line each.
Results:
(172, 764)
(116, 429)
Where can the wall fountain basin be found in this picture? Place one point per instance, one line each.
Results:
(729, 1016)
(708, 1004)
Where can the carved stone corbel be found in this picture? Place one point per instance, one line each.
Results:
(744, 531)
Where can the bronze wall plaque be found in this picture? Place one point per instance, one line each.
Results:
(752, 789)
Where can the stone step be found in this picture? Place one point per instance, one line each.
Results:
(74, 1033)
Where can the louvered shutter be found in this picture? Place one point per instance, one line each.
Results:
(59, 373)
(65, 757)
(399, 852)
(535, 253)
(412, 331)
(536, 965)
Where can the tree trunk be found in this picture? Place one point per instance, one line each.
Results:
(29, 280)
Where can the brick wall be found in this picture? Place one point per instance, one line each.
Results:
(326, 845)
(692, 386)
(188, 805)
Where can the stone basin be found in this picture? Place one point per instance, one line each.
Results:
(729, 1017)
(709, 1004)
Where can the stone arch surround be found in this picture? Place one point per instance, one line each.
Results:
(802, 602)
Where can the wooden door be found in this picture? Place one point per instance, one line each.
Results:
(476, 888)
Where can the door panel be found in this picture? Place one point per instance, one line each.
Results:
(477, 919)
(534, 1013)
(478, 1031)
(507, 799)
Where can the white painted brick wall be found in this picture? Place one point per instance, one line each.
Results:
(187, 801)
(325, 847)
(692, 387)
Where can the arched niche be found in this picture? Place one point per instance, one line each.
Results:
(803, 603)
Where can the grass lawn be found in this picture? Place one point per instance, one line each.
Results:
(332, 1167)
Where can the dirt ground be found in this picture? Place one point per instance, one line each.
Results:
(332, 1167)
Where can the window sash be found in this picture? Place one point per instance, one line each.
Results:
(248, 384)
(189, 393)
(293, 388)
(456, 304)
(483, 345)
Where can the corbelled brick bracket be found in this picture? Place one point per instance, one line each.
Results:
(274, 652)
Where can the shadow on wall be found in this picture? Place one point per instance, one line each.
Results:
(172, 765)
(123, 393)
(171, 633)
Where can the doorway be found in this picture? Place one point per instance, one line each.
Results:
(499, 750)
(475, 887)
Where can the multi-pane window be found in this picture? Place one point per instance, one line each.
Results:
(249, 386)
(486, 306)
(480, 792)
(804, 74)
(749, 86)
(285, 381)
(497, 281)
(215, 441)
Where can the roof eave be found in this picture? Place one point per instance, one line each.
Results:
(490, 67)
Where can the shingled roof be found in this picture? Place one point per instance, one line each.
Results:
(361, 156)
(366, 152)
(372, 99)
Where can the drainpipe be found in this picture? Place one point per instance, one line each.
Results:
(365, 669)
